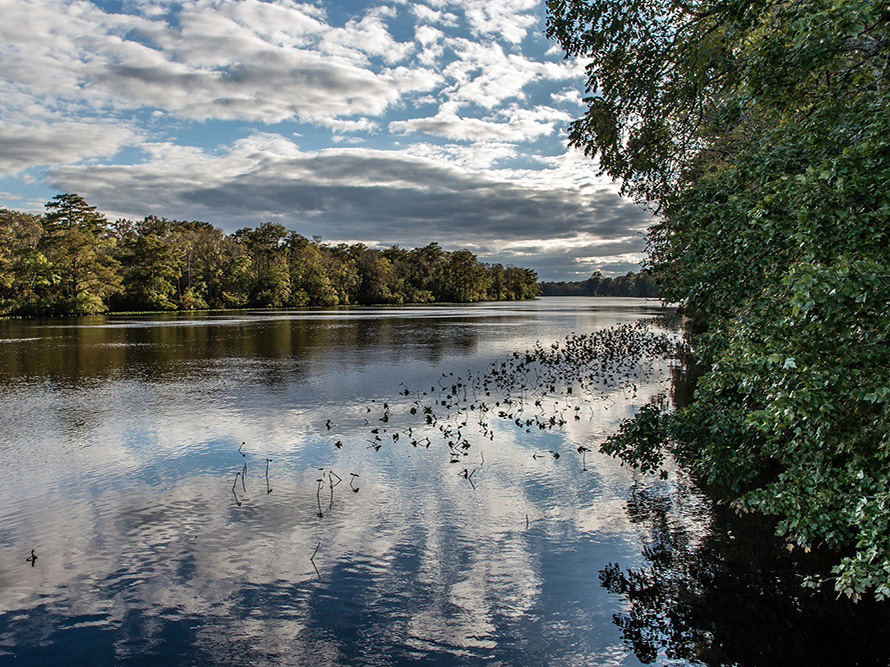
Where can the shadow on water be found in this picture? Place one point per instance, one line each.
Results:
(717, 588)
(685, 373)
(731, 595)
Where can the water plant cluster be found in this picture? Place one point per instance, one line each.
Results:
(539, 389)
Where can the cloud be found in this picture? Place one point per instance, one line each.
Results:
(573, 258)
(568, 96)
(509, 20)
(506, 18)
(367, 37)
(512, 124)
(475, 157)
(24, 146)
(431, 40)
(484, 74)
(428, 15)
(343, 125)
(361, 194)
(248, 60)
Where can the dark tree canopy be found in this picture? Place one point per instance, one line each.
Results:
(639, 285)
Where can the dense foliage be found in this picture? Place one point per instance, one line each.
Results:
(631, 284)
(72, 260)
(761, 133)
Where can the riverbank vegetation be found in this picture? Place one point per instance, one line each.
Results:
(640, 285)
(760, 134)
(72, 260)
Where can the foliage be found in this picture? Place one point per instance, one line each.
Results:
(149, 263)
(760, 132)
(78, 242)
(24, 270)
(73, 261)
(638, 440)
(629, 285)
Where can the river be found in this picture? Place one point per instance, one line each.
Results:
(265, 487)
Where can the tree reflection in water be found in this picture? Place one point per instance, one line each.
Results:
(722, 590)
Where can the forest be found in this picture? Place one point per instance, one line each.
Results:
(73, 261)
(631, 284)
(759, 133)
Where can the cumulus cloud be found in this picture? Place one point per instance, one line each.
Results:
(511, 124)
(475, 157)
(249, 60)
(486, 75)
(430, 39)
(568, 96)
(362, 194)
(344, 125)
(510, 20)
(507, 18)
(367, 37)
(429, 15)
(574, 258)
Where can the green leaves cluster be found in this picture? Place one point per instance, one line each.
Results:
(72, 260)
(761, 132)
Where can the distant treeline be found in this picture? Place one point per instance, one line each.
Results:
(631, 284)
(72, 260)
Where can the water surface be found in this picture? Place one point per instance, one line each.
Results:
(119, 450)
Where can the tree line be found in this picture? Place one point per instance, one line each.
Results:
(758, 131)
(72, 260)
(631, 284)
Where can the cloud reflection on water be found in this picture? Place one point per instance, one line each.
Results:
(125, 487)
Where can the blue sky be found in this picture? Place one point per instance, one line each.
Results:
(387, 122)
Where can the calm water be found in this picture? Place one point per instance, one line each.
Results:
(119, 451)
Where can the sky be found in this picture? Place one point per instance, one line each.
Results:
(385, 122)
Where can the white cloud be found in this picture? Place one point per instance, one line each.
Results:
(476, 157)
(245, 60)
(367, 37)
(568, 96)
(486, 75)
(248, 60)
(428, 15)
(505, 18)
(431, 40)
(513, 124)
(509, 20)
(343, 125)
